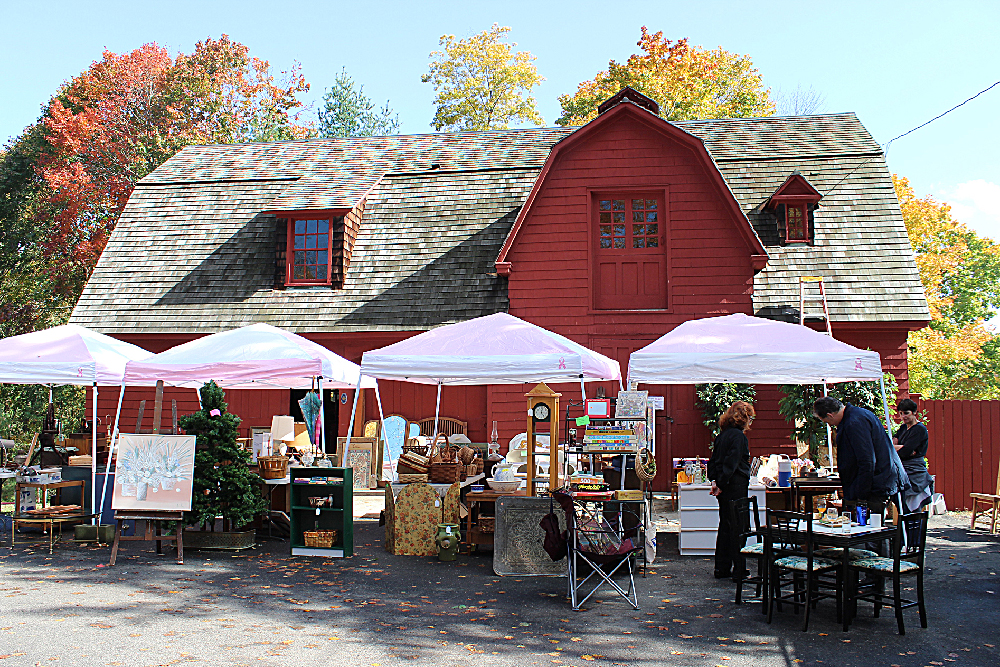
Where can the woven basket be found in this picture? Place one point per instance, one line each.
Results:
(411, 462)
(487, 524)
(480, 465)
(273, 467)
(412, 478)
(320, 539)
(413, 445)
(445, 473)
(471, 470)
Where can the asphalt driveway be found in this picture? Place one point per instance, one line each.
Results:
(265, 608)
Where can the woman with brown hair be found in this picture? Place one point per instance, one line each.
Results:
(729, 470)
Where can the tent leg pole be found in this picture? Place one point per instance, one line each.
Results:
(93, 457)
(198, 391)
(381, 438)
(111, 452)
(350, 426)
(885, 406)
(322, 415)
(437, 412)
(829, 434)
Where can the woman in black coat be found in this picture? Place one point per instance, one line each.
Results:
(729, 470)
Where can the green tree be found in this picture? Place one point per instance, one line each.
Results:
(796, 406)
(956, 356)
(688, 82)
(347, 112)
(715, 398)
(481, 84)
(223, 483)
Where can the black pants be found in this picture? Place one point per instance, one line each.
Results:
(727, 552)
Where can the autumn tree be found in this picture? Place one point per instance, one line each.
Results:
(347, 112)
(116, 122)
(688, 82)
(956, 356)
(481, 83)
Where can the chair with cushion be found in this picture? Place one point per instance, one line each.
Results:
(987, 505)
(907, 560)
(745, 516)
(791, 561)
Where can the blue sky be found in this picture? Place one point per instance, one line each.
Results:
(896, 64)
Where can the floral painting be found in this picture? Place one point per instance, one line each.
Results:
(153, 472)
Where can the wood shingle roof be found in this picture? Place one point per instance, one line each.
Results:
(194, 252)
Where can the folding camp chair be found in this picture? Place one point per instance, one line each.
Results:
(606, 537)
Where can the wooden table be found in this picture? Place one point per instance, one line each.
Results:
(473, 535)
(58, 486)
(823, 536)
(52, 520)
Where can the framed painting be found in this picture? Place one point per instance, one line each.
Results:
(153, 472)
(361, 459)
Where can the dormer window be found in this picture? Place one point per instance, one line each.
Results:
(796, 223)
(793, 205)
(310, 248)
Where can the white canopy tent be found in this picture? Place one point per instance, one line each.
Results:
(494, 349)
(68, 355)
(753, 350)
(257, 356)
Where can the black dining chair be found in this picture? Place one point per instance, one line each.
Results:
(746, 519)
(791, 561)
(908, 545)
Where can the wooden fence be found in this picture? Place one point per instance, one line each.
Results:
(964, 448)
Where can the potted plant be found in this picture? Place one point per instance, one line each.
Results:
(223, 486)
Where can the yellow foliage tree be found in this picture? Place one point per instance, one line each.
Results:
(481, 84)
(688, 82)
(955, 356)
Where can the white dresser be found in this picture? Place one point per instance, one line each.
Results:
(700, 517)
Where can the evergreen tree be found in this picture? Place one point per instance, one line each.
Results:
(223, 483)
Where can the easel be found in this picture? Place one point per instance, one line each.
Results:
(150, 517)
(121, 516)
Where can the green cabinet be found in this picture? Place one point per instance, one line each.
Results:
(337, 516)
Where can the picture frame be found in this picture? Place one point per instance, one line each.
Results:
(361, 458)
(154, 472)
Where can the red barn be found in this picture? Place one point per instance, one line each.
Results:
(610, 234)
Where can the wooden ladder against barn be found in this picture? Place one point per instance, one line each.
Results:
(810, 296)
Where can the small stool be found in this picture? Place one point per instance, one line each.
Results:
(149, 518)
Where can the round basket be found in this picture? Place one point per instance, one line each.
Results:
(273, 467)
(645, 465)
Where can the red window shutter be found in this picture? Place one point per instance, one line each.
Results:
(631, 260)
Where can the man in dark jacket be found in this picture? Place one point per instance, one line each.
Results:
(870, 469)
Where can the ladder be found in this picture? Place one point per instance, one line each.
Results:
(813, 297)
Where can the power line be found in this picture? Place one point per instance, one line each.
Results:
(885, 149)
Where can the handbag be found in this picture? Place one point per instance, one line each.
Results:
(556, 541)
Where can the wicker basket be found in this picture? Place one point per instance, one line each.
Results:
(273, 467)
(411, 462)
(320, 539)
(487, 524)
(472, 470)
(480, 465)
(413, 445)
(445, 473)
(412, 478)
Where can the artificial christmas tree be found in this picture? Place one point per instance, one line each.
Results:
(223, 482)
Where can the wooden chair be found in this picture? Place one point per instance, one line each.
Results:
(746, 518)
(447, 425)
(907, 560)
(987, 504)
(791, 560)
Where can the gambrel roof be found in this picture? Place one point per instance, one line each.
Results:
(194, 250)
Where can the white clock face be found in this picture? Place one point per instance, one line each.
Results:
(541, 412)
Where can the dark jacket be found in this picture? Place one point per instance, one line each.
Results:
(868, 464)
(730, 458)
(913, 441)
